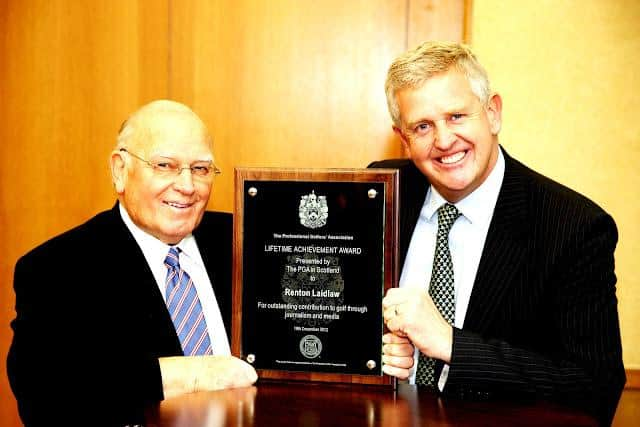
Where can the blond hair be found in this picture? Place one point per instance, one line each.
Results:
(414, 67)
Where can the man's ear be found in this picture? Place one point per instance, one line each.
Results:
(494, 113)
(404, 139)
(118, 171)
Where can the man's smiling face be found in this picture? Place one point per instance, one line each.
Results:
(449, 134)
(167, 207)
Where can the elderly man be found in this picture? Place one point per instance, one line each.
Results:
(134, 305)
(507, 285)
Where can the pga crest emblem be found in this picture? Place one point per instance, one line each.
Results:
(313, 210)
(310, 346)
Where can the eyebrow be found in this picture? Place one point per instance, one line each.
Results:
(449, 111)
(173, 158)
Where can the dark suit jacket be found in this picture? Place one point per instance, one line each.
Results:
(91, 321)
(542, 319)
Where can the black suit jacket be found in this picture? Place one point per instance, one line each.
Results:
(542, 319)
(91, 321)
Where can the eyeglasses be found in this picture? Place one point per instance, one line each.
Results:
(168, 167)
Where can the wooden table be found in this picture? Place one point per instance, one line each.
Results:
(315, 405)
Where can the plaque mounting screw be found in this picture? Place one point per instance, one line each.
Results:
(371, 364)
(372, 194)
(252, 191)
(251, 358)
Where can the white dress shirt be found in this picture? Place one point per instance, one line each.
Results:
(466, 241)
(155, 253)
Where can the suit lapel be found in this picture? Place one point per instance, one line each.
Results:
(143, 289)
(214, 238)
(210, 254)
(504, 250)
(411, 200)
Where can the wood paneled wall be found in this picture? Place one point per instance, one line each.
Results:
(296, 83)
(70, 73)
(280, 83)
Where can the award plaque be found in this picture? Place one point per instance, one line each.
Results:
(314, 254)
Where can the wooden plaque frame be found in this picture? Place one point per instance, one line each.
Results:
(388, 177)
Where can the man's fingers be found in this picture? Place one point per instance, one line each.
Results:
(394, 296)
(390, 338)
(404, 350)
(245, 374)
(389, 313)
(403, 362)
(394, 371)
(397, 326)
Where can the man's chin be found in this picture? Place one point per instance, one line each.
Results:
(175, 235)
(453, 191)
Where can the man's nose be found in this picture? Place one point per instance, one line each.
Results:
(443, 135)
(184, 180)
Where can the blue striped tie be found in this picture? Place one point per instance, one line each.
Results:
(184, 308)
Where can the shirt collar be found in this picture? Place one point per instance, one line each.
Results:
(155, 250)
(477, 206)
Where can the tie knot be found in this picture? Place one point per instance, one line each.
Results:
(172, 258)
(447, 215)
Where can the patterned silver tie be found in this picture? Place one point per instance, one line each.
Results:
(441, 287)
